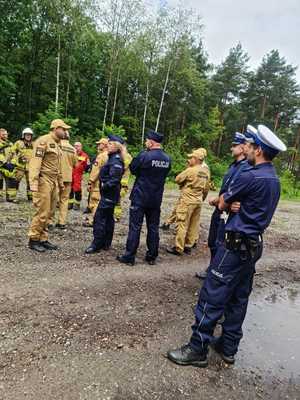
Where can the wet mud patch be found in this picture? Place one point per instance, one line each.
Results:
(272, 334)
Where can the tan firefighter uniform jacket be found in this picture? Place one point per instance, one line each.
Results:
(194, 184)
(68, 160)
(97, 165)
(46, 161)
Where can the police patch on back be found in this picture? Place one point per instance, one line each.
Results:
(160, 164)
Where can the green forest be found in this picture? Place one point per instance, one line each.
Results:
(123, 66)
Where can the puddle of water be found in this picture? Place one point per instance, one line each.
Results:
(272, 334)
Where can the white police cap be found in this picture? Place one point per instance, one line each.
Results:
(268, 138)
(250, 134)
(251, 129)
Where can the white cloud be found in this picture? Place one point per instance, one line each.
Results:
(260, 25)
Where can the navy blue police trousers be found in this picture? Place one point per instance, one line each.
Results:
(103, 227)
(225, 291)
(216, 234)
(136, 217)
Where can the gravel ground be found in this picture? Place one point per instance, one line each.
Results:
(85, 327)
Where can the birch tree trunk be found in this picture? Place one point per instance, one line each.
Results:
(145, 112)
(163, 96)
(263, 110)
(220, 138)
(68, 86)
(295, 152)
(57, 74)
(107, 98)
(114, 58)
(116, 95)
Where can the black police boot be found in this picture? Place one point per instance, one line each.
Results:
(218, 347)
(61, 226)
(36, 246)
(51, 227)
(185, 355)
(165, 227)
(150, 260)
(201, 275)
(92, 250)
(187, 250)
(49, 246)
(124, 260)
(172, 250)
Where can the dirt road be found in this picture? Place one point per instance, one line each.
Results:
(84, 327)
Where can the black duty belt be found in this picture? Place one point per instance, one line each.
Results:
(236, 241)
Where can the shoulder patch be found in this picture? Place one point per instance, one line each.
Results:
(39, 152)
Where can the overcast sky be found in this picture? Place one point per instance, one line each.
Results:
(260, 25)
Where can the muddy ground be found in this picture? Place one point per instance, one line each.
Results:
(85, 327)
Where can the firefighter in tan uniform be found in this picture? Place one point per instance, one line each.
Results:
(93, 183)
(68, 162)
(19, 155)
(124, 184)
(44, 176)
(6, 169)
(194, 186)
(171, 219)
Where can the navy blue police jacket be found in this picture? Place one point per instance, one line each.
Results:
(151, 168)
(234, 169)
(257, 188)
(110, 180)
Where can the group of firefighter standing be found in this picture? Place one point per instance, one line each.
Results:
(242, 211)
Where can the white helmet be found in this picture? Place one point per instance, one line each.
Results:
(27, 131)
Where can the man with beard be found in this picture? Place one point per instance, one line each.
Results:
(227, 288)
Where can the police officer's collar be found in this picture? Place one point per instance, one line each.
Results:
(236, 162)
(242, 160)
(156, 148)
(263, 164)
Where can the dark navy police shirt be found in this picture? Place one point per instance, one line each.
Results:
(151, 169)
(110, 180)
(232, 171)
(258, 190)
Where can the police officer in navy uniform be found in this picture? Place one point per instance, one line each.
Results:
(228, 285)
(110, 186)
(216, 233)
(151, 168)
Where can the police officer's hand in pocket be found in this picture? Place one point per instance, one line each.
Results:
(235, 207)
(213, 201)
